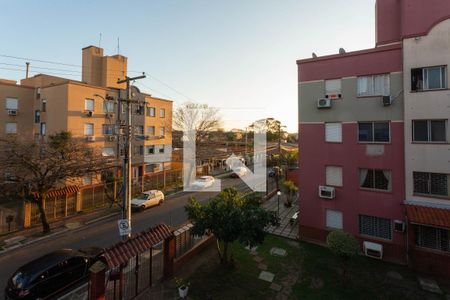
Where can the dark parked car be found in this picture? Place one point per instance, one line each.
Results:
(49, 275)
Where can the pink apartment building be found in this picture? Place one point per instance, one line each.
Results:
(374, 139)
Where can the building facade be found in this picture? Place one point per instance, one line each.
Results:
(375, 155)
(90, 109)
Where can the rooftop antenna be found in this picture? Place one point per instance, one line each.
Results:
(100, 40)
(118, 46)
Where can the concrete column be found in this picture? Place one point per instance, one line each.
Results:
(97, 286)
(169, 255)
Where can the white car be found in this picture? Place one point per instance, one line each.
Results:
(147, 199)
(203, 182)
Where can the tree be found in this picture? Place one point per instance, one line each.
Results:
(291, 192)
(40, 167)
(230, 216)
(290, 158)
(199, 117)
(272, 127)
(343, 245)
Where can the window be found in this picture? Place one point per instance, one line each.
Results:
(161, 149)
(333, 176)
(108, 129)
(433, 238)
(429, 131)
(334, 219)
(373, 132)
(333, 132)
(12, 103)
(426, 79)
(43, 128)
(333, 88)
(109, 107)
(431, 183)
(375, 179)
(162, 131)
(376, 227)
(37, 116)
(88, 129)
(151, 149)
(89, 104)
(108, 151)
(375, 85)
(151, 130)
(87, 180)
(162, 113)
(44, 105)
(151, 112)
(139, 130)
(11, 128)
(139, 150)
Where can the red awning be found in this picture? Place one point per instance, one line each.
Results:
(124, 251)
(432, 216)
(68, 190)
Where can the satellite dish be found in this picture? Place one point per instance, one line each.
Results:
(341, 50)
(314, 55)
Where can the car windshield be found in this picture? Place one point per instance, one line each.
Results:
(19, 280)
(203, 179)
(142, 197)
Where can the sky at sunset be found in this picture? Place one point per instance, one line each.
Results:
(239, 56)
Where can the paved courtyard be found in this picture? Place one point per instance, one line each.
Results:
(286, 229)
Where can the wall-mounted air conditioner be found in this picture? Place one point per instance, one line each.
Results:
(333, 96)
(109, 115)
(323, 103)
(38, 92)
(12, 112)
(387, 100)
(88, 113)
(373, 250)
(327, 192)
(399, 226)
(90, 138)
(111, 138)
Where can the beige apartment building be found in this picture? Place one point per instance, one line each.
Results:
(90, 109)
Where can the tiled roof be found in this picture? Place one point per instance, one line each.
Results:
(68, 190)
(123, 251)
(432, 216)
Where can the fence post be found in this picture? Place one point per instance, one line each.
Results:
(97, 286)
(78, 201)
(26, 214)
(169, 254)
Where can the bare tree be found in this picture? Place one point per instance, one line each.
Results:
(40, 167)
(199, 117)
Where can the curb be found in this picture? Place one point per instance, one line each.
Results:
(18, 246)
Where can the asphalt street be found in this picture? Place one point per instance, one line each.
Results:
(105, 233)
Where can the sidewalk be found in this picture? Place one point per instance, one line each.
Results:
(24, 237)
(285, 229)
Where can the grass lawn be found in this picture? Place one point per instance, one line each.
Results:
(307, 272)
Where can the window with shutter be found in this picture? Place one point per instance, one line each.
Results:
(333, 175)
(334, 219)
(374, 226)
(333, 132)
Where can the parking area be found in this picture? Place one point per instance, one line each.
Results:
(288, 226)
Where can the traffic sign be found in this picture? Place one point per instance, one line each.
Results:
(124, 227)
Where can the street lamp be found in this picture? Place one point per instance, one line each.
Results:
(279, 195)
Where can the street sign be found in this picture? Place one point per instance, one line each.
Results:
(124, 227)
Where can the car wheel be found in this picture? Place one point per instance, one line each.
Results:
(160, 202)
(142, 208)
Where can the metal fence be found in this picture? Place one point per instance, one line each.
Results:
(185, 240)
(140, 273)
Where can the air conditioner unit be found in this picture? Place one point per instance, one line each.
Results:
(122, 122)
(38, 92)
(327, 192)
(147, 137)
(90, 138)
(109, 115)
(323, 103)
(110, 138)
(373, 250)
(387, 100)
(12, 112)
(399, 226)
(88, 113)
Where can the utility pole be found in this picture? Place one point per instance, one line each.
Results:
(127, 165)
